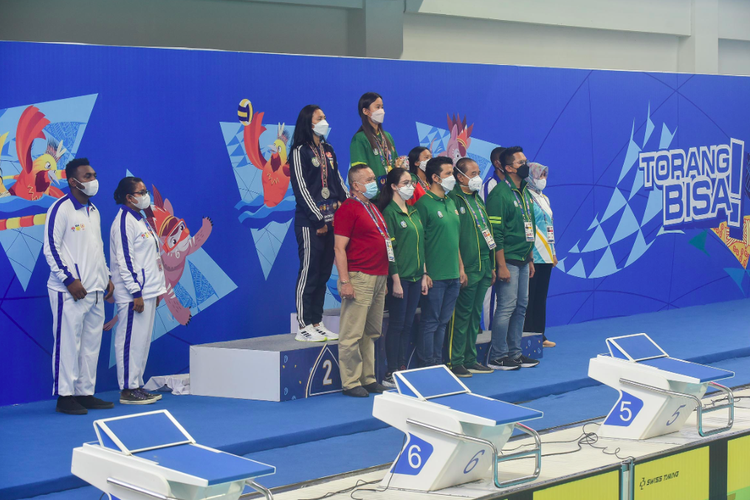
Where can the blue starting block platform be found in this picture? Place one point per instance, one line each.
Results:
(453, 436)
(150, 455)
(279, 368)
(657, 393)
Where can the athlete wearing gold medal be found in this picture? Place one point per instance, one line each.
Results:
(319, 190)
(371, 145)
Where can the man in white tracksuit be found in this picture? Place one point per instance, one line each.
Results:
(138, 275)
(78, 285)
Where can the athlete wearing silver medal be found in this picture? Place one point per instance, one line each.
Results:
(319, 190)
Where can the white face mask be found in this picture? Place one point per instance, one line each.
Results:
(475, 183)
(378, 116)
(142, 202)
(423, 166)
(321, 128)
(406, 192)
(540, 184)
(88, 188)
(448, 184)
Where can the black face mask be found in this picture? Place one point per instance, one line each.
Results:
(523, 171)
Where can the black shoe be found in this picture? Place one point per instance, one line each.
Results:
(388, 381)
(356, 392)
(375, 388)
(135, 397)
(92, 403)
(478, 368)
(526, 362)
(461, 372)
(154, 396)
(69, 405)
(505, 364)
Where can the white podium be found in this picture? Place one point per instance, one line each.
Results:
(453, 436)
(150, 456)
(657, 393)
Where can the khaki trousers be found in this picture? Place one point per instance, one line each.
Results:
(360, 325)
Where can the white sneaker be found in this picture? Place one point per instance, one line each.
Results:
(310, 334)
(329, 335)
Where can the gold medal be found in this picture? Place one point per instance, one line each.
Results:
(315, 162)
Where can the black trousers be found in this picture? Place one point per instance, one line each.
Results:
(536, 311)
(315, 264)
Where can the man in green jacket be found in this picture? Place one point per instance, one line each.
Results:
(477, 249)
(511, 214)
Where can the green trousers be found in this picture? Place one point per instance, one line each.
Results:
(464, 326)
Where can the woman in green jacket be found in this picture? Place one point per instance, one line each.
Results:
(371, 145)
(406, 274)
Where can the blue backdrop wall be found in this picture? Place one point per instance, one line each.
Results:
(647, 178)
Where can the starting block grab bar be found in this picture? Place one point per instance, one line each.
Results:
(536, 451)
(699, 408)
(132, 487)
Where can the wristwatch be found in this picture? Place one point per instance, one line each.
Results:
(344, 282)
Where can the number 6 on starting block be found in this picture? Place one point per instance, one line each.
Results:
(453, 436)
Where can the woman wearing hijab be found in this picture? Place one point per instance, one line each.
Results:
(545, 257)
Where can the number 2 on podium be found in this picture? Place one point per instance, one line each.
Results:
(327, 365)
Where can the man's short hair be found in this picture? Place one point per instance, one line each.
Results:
(463, 163)
(435, 166)
(72, 166)
(354, 170)
(496, 153)
(506, 158)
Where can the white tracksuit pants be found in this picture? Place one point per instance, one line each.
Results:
(77, 330)
(133, 341)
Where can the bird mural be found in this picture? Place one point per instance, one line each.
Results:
(460, 138)
(37, 176)
(275, 170)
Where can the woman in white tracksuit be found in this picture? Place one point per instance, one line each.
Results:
(138, 276)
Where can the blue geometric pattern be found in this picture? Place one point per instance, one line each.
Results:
(623, 233)
(268, 225)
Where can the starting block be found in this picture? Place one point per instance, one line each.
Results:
(453, 436)
(657, 393)
(151, 456)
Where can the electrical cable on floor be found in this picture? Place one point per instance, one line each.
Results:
(358, 485)
(585, 438)
(376, 490)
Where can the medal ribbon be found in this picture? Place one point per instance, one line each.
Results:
(320, 155)
(384, 151)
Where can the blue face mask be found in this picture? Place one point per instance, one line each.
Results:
(371, 190)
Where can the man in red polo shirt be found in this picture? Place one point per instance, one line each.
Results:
(363, 249)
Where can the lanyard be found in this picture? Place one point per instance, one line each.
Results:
(474, 215)
(384, 151)
(522, 201)
(320, 157)
(385, 234)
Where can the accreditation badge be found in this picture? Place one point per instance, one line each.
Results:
(550, 234)
(389, 249)
(489, 239)
(529, 229)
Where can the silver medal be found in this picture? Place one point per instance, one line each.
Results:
(325, 193)
(315, 162)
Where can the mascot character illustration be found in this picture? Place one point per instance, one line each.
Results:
(176, 245)
(36, 176)
(276, 169)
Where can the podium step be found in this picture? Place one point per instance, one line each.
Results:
(279, 368)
